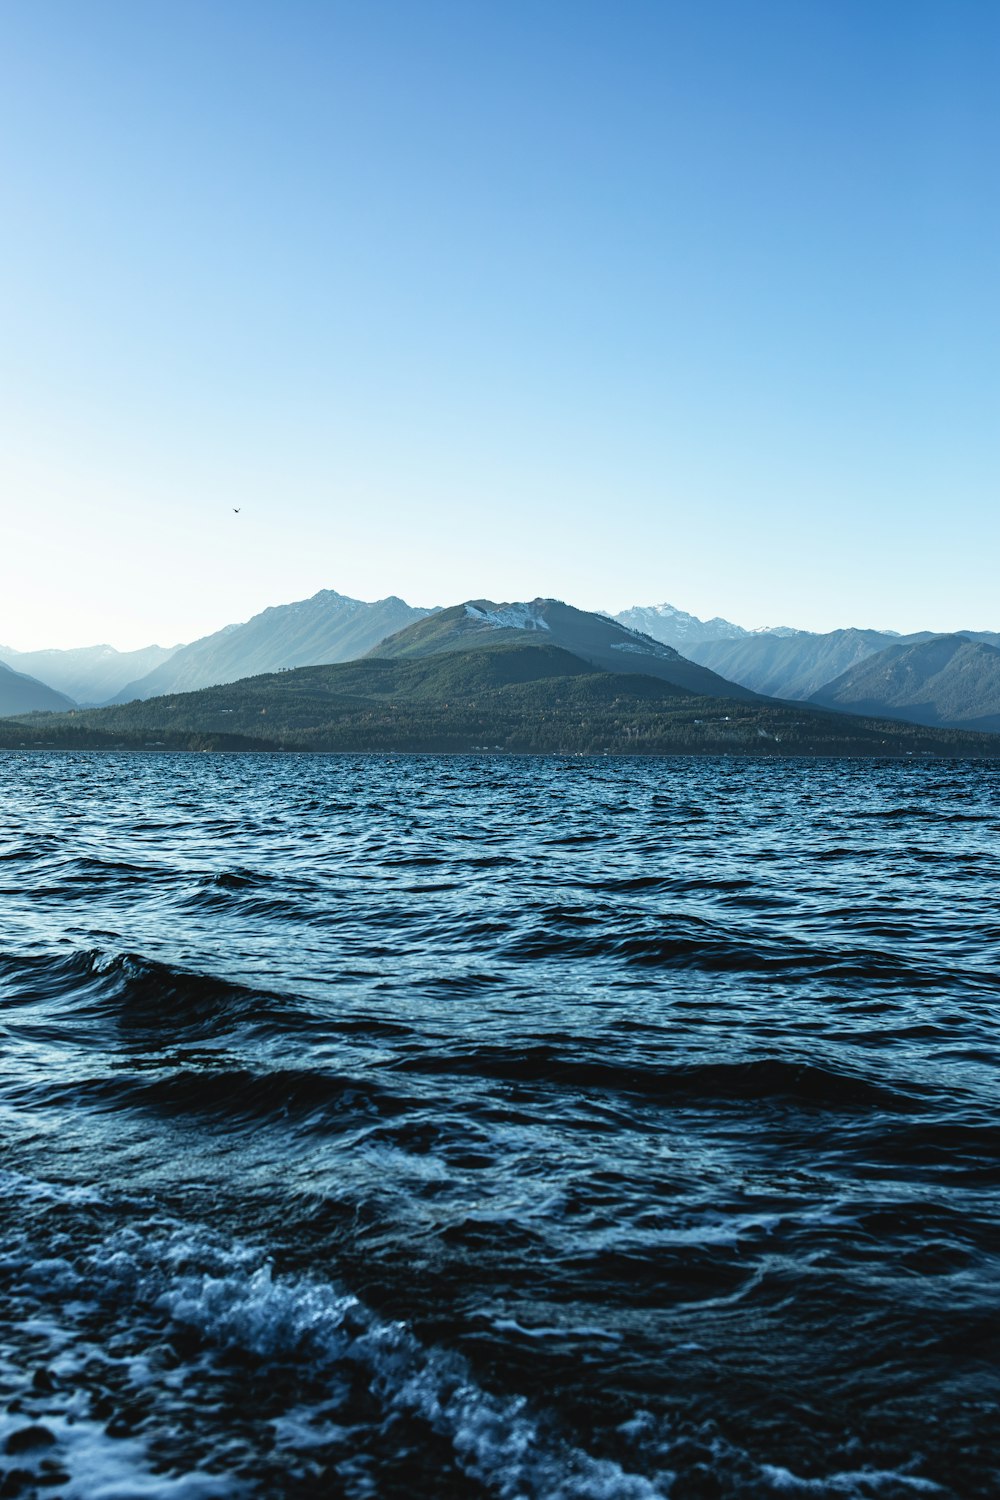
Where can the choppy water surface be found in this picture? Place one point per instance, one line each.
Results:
(415, 1126)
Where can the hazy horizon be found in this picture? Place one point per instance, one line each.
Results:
(889, 628)
(682, 303)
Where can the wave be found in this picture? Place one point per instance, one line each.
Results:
(698, 944)
(305, 1099)
(715, 1074)
(293, 1384)
(139, 994)
(766, 1079)
(342, 1376)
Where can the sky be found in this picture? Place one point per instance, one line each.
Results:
(621, 303)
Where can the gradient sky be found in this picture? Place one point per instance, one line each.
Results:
(620, 303)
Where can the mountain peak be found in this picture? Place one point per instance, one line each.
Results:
(604, 644)
(675, 627)
(325, 628)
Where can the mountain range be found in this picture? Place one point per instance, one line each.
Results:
(676, 628)
(484, 676)
(793, 665)
(861, 670)
(778, 660)
(87, 674)
(947, 679)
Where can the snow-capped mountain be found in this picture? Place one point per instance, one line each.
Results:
(675, 627)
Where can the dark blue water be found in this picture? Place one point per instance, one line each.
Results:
(519, 1128)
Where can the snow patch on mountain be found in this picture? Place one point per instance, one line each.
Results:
(643, 648)
(508, 617)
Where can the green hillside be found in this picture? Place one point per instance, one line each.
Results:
(947, 679)
(603, 643)
(525, 697)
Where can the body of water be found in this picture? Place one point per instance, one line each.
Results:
(394, 1127)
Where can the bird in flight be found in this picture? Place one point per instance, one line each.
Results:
(236, 510)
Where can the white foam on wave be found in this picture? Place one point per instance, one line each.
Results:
(231, 1297)
(54, 1428)
(496, 1440)
(97, 1466)
(856, 1482)
(35, 1190)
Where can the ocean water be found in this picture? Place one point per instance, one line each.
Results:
(393, 1127)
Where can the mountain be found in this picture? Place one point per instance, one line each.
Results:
(795, 665)
(948, 679)
(24, 695)
(521, 694)
(595, 639)
(326, 628)
(775, 660)
(674, 627)
(88, 674)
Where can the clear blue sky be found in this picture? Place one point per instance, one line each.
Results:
(620, 302)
